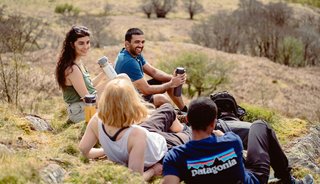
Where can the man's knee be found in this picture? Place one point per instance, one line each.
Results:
(260, 124)
(159, 99)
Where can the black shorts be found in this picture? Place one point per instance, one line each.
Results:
(160, 122)
(149, 98)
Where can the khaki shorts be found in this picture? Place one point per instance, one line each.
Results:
(160, 122)
(76, 112)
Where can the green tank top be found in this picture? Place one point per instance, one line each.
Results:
(70, 94)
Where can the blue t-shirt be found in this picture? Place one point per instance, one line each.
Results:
(214, 159)
(125, 63)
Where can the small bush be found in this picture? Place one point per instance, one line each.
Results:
(291, 52)
(18, 170)
(9, 179)
(71, 150)
(255, 113)
(285, 128)
(103, 173)
(315, 3)
(203, 74)
(66, 8)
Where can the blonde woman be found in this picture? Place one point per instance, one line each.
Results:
(124, 138)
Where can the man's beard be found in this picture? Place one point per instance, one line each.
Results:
(134, 52)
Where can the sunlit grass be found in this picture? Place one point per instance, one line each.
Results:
(286, 128)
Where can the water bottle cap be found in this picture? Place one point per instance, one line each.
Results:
(180, 70)
(103, 60)
(90, 98)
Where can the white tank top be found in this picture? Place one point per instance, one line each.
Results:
(117, 151)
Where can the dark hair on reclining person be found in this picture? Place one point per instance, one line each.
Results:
(201, 113)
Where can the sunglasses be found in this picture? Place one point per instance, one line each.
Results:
(80, 29)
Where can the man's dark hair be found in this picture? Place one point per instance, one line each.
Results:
(132, 31)
(201, 113)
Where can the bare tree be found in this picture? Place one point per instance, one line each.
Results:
(17, 35)
(219, 31)
(265, 30)
(193, 7)
(147, 8)
(107, 8)
(308, 32)
(163, 7)
(98, 25)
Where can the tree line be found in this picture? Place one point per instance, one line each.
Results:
(264, 30)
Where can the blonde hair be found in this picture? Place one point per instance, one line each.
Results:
(120, 105)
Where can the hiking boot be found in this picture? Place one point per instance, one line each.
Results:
(182, 118)
(308, 179)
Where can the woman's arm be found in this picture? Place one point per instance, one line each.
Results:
(98, 79)
(75, 78)
(136, 147)
(89, 139)
(155, 170)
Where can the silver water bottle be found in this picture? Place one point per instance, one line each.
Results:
(107, 68)
(178, 90)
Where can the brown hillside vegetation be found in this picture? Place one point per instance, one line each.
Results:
(292, 91)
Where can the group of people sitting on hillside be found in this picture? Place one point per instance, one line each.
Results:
(152, 141)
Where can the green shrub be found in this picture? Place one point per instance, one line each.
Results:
(104, 172)
(9, 179)
(291, 52)
(17, 170)
(71, 150)
(285, 128)
(203, 74)
(315, 3)
(66, 9)
(255, 113)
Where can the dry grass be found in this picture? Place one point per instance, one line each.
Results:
(28, 152)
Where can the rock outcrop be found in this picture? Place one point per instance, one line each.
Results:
(53, 174)
(305, 151)
(38, 123)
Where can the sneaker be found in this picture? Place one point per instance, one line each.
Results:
(308, 179)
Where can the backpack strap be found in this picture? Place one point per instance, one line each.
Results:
(229, 118)
(221, 125)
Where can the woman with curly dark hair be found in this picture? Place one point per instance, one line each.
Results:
(72, 76)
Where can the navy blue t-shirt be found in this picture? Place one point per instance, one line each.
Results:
(129, 65)
(214, 159)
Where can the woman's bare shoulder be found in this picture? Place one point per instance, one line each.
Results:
(74, 69)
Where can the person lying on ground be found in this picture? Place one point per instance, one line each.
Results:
(127, 135)
(215, 156)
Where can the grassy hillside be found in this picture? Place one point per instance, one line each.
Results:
(292, 94)
(26, 154)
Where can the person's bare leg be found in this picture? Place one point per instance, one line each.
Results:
(176, 126)
(159, 99)
(176, 100)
